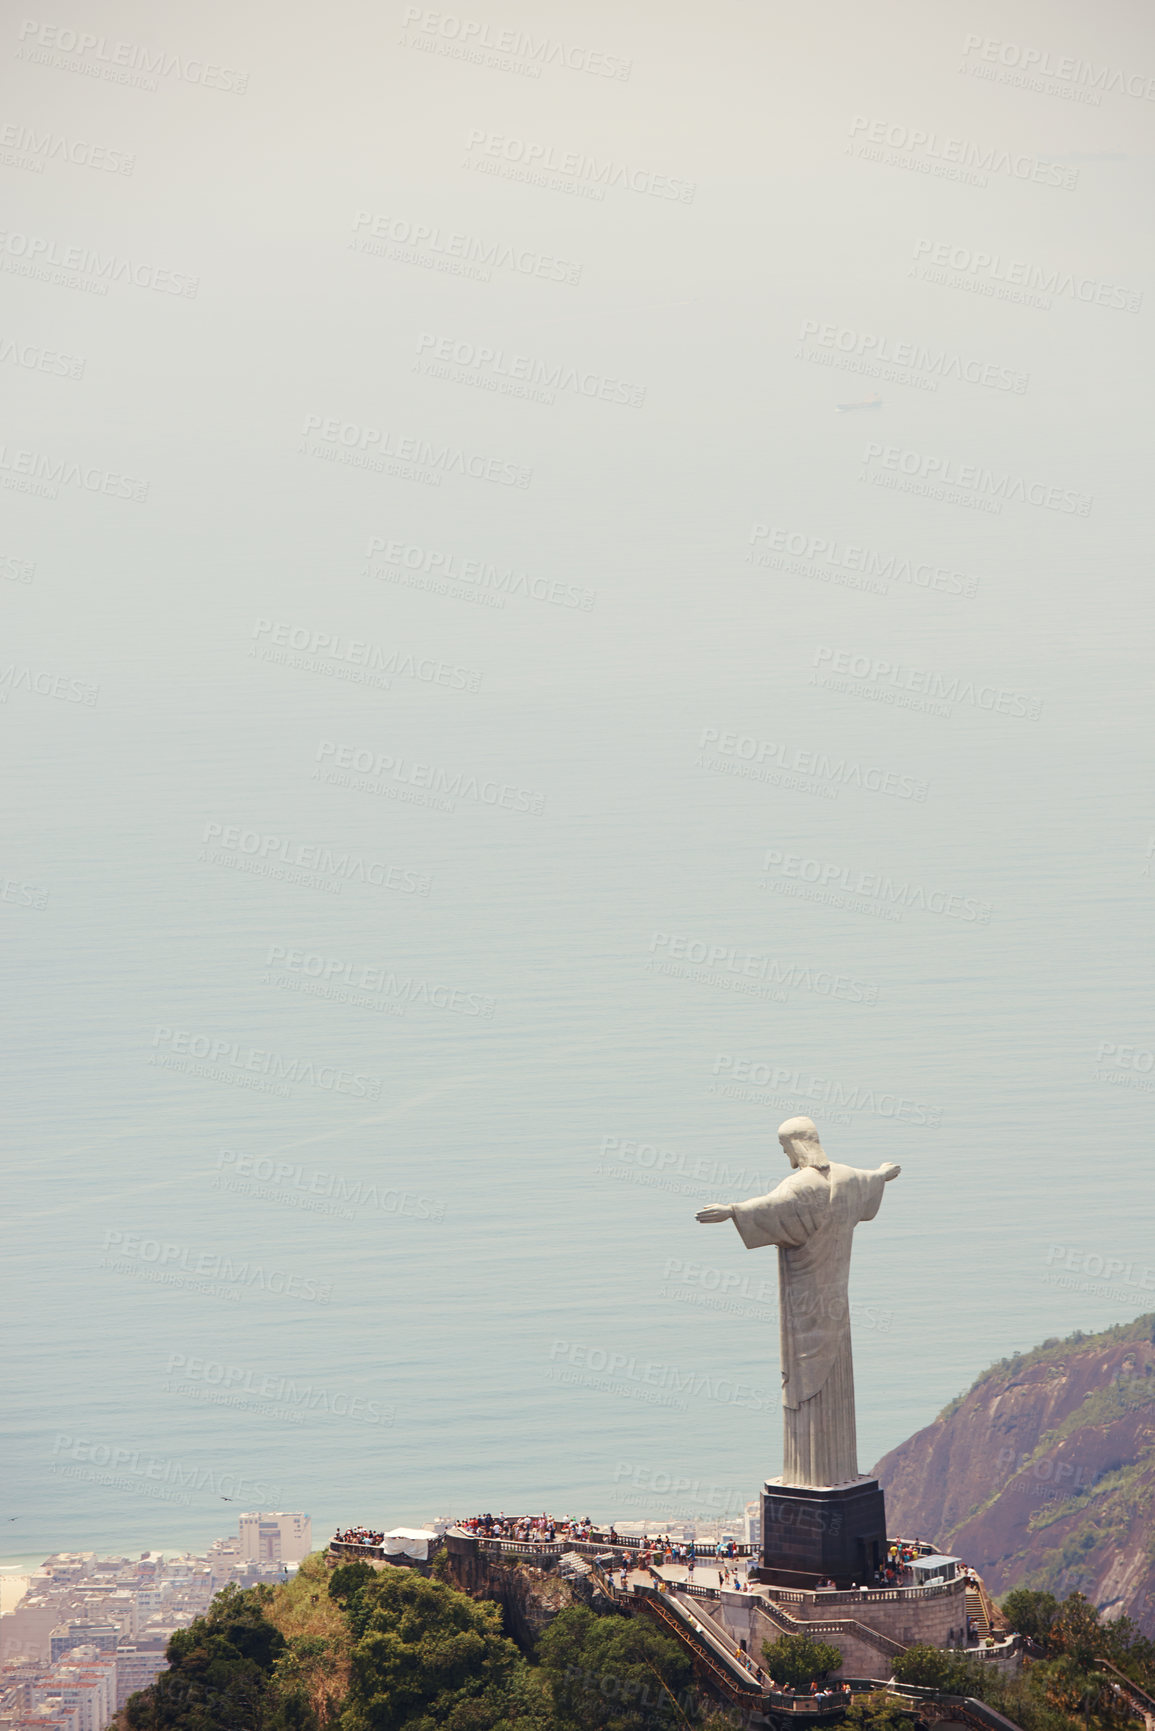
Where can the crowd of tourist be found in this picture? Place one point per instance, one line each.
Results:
(549, 1529)
(895, 1571)
(647, 1554)
(643, 1553)
(821, 1693)
(527, 1529)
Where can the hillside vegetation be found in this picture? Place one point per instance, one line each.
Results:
(1043, 1474)
(390, 1650)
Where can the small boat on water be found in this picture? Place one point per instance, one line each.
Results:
(874, 402)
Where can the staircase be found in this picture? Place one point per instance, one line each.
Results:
(727, 1674)
(977, 1609)
(785, 1624)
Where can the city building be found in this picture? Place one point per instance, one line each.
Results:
(83, 1681)
(44, 1719)
(103, 1636)
(137, 1665)
(275, 1538)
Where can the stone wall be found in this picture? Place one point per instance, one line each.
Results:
(936, 1618)
(530, 1597)
(739, 1613)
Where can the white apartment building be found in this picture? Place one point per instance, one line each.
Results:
(84, 1681)
(275, 1538)
(137, 1666)
(45, 1719)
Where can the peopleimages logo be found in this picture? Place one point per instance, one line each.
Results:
(412, 564)
(960, 154)
(483, 42)
(623, 1369)
(274, 853)
(1068, 68)
(368, 977)
(803, 1085)
(834, 882)
(376, 448)
(45, 684)
(184, 1043)
(35, 359)
(42, 147)
(496, 152)
(323, 647)
(209, 1266)
(414, 783)
(717, 1498)
(35, 255)
(36, 472)
(459, 254)
(844, 563)
(840, 340)
(28, 895)
(493, 369)
(749, 964)
(102, 57)
(764, 760)
(889, 681)
(236, 1379)
(989, 273)
(985, 484)
(299, 1181)
(158, 1468)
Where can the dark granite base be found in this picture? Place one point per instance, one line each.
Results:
(810, 1535)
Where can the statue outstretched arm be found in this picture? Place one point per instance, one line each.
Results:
(715, 1212)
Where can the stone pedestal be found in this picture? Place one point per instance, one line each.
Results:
(809, 1534)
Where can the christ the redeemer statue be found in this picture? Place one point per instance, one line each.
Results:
(811, 1217)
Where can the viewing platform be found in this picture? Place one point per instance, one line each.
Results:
(718, 1607)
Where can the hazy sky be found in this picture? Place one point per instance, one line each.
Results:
(488, 736)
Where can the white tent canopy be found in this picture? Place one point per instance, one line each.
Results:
(409, 1542)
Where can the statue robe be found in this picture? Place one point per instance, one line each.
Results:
(811, 1217)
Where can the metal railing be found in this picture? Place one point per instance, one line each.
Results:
(728, 1670)
(965, 1707)
(788, 1625)
(713, 1648)
(1138, 1697)
(877, 1595)
(558, 1547)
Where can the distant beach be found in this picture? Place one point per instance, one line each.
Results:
(12, 1589)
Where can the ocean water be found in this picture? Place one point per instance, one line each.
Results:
(451, 1263)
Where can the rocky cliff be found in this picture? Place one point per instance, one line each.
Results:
(530, 1598)
(1043, 1474)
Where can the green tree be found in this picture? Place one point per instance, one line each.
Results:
(1031, 1613)
(937, 1668)
(879, 1711)
(612, 1673)
(219, 1670)
(1131, 1650)
(1076, 1631)
(799, 1660)
(347, 1578)
(1083, 1695)
(429, 1657)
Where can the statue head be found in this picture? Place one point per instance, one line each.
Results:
(799, 1139)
